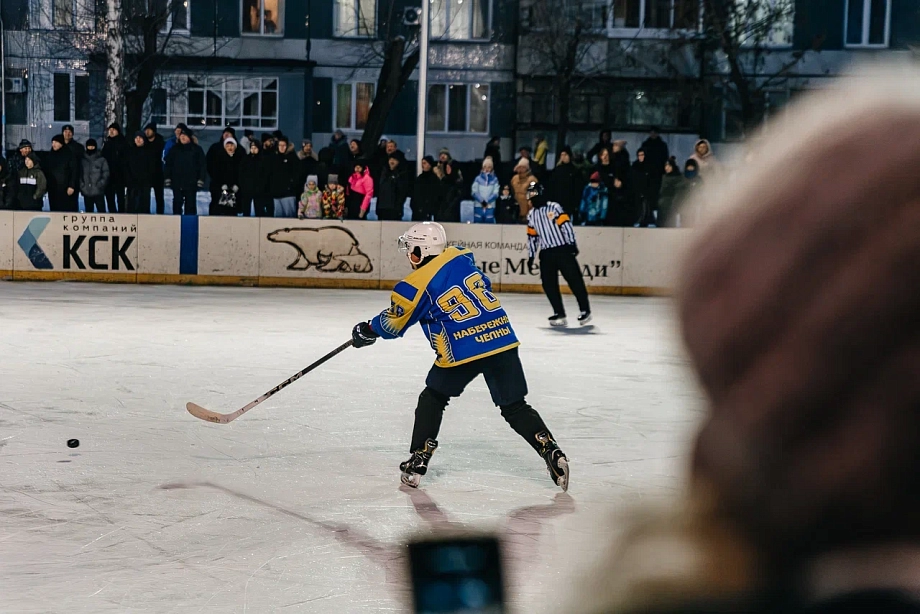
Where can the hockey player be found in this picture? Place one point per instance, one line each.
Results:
(550, 233)
(471, 334)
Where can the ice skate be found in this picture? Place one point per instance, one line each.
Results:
(558, 320)
(584, 318)
(556, 461)
(417, 465)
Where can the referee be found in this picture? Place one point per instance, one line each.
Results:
(550, 232)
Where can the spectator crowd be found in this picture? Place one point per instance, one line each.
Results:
(270, 177)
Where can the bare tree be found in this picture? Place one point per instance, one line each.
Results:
(398, 58)
(114, 53)
(743, 44)
(565, 40)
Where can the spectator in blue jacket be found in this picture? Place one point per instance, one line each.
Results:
(485, 193)
(594, 199)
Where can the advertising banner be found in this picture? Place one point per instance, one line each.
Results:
(6, 243)
(652, 257)
(159, 245)
(328, 252)
(75, 246)
(229, 246)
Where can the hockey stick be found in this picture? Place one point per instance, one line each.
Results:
(205, 414)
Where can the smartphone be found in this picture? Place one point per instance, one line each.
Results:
(457, 575)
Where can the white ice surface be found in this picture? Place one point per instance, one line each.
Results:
(296, 506)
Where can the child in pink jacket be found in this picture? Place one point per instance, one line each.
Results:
(360, 192)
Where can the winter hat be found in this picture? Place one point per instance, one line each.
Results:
(396, 155)
(151, 126)
(429, 159)
(443, 151)
(332, 178)
(567, 150)
(91, 143)
(140, 134)
(595, 176)
(488, 160)
(25, 143)
(57, 138)
(66, 128)
(522, 162)
(306, 142)
(255, 143)
(277, 134)
(181, 126)
(229, 129)
(230, 140)
(188, 132)
(266, 137)
(115, 125)
(313, 178)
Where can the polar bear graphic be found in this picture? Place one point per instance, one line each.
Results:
(331, 249)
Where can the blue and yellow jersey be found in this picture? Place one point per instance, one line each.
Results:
(453, 301)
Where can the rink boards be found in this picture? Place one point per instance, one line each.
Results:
(305, 253)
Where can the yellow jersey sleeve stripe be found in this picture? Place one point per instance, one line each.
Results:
(562, 219)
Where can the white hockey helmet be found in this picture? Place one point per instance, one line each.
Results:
(423, 240)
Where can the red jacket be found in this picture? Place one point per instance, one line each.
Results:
(363, 184)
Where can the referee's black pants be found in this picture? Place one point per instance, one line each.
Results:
(553, 261)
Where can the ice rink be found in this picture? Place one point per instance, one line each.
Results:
(297, 506)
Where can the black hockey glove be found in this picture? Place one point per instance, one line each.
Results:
(573, 248)
(362, 335)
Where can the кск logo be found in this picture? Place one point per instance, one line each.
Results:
(28, 242)
(329, 249)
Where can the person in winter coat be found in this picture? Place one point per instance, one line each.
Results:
(506, 207)
(702, 154)
(360, 192)
(141, 163)
(541, 150)
(172, 141)
(393, 189)
(225, 180)
(217, 149)
(17, 162)
(254, 193)
(157, 146)
(673, 188)
(309, 164)
(643, 190)
(427, 192)
(607, 171)
(33, 185)
(7, 186)
(566, 183)
(656, 155)
(284, 173)
(61, 171)
(333, 199)
(485, 193)
(94, 178)
(113, 150)
(519, 182)
(603, 142)
(494, 151)
(452, 184)
(594, 202)
(185, 173)
(311, 201)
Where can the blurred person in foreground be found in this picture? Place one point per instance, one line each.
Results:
(800, 313)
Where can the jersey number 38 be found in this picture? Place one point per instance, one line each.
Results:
(463, 304)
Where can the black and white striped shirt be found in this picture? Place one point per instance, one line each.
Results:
(547, 227)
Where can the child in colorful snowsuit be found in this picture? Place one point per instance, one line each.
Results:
(333, 199)
(311, 206)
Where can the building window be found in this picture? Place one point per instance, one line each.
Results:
(263, 17)
(656, 14)
(458, 108)
(203, 102)
(176, 15)
(353, 102)
(63, 14)
(356, 18)
(460, 19)
(70, 97)
(868, 23)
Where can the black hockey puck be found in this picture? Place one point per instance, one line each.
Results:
(73, 443)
